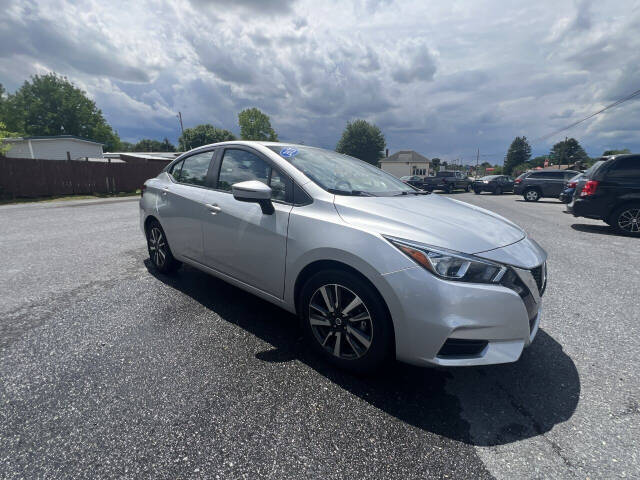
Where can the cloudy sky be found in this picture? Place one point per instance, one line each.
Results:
(443, 78)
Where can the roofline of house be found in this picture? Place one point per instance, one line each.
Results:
(51, 137)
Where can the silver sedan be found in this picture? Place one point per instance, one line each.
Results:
(374, 268)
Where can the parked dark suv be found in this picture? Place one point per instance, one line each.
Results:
(611, 193)
(535, 185)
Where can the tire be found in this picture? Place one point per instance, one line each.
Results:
(477, 191)
(448, 189)
(497, 191)
(365, 344)
(467, 188)
(531, 195)
(159, 250)
(626, 219)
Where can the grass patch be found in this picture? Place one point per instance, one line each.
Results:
(68, 197)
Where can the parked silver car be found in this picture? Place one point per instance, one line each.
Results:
(373, 267)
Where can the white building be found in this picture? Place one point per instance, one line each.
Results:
(60, 147)
(405, 162)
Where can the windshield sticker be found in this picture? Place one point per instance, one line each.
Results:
(287, 152)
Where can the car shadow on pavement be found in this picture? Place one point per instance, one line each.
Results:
(554, 202)
(601, 229)
(484, 406)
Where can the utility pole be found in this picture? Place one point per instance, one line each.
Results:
(477, 160)
(181, 125)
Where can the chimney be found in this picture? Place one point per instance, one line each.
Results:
(386, 154)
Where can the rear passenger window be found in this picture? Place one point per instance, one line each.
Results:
(194, 169)
(625, 167)
(174, 171)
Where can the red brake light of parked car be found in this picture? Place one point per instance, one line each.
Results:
(572, 184)
(589, 188)
(517, 180)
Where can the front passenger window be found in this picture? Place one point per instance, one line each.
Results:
(241, 166)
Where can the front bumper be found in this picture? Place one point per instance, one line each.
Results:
(430, 312)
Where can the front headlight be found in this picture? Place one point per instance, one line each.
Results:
(450, 265)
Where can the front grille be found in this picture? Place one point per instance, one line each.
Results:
(539, 274)
(512, 281)
(457, 347)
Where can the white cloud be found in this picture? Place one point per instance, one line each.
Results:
(442, 78)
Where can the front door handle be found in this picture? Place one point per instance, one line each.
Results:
(213, 208)
(165, 190)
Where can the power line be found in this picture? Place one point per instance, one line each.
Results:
(614, 104)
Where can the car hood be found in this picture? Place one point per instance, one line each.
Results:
(431, 219)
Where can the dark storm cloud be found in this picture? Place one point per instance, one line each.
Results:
(417, 66)
(84, 50)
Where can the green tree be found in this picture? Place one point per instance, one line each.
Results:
(4, 146)
(521, 168)
(256, 125)
(52, 105)
(435, 162)
(519, 152)
(149, 145)
(126, 146)
(203, 135)
(615, 152)
(537, 161)
(362, 140)
(568, 152)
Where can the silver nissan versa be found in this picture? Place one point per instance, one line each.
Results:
(373, 267)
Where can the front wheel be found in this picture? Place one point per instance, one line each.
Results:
(346, 321)
(477, 191)
(531, 195)
(467, 188)
(626, 219)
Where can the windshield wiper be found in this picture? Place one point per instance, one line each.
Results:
(353, 193)
(416, 192)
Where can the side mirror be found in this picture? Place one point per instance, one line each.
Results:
(255, 192)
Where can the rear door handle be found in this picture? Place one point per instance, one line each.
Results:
(213, 208)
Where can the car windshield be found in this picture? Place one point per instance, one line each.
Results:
(341, 174)
(489, 177)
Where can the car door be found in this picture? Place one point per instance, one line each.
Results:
(180, 203)
(508, 184)
(552, 186)
(239, 239)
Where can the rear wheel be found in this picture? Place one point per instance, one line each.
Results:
(159, 250)
(531, 195)
(626, 219)
(345, 321)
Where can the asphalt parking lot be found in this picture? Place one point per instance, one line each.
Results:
(110, 370)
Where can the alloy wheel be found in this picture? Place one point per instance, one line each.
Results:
(157, 246)
(532, 195)
(629, 220)
(340, 321)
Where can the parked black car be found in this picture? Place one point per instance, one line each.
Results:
(496, 184)
(447, 182)
(535, 185)
(413, 180)
(611, 192)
